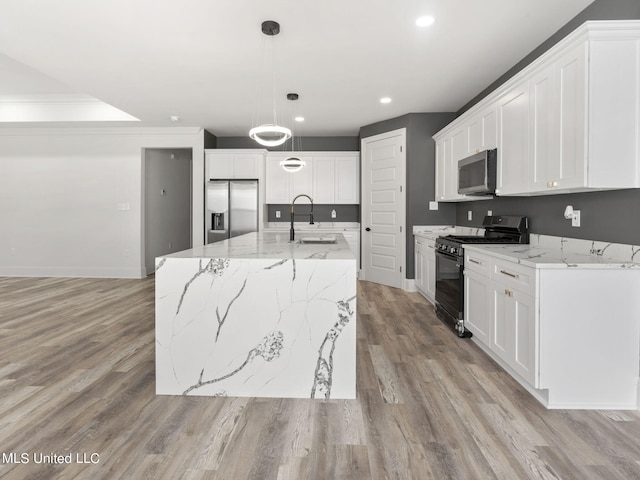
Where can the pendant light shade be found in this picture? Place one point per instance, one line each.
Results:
(270, 134)
(292, 164)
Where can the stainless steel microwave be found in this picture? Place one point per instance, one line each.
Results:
(477, 173)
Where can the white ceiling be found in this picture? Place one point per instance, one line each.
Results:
(200, 59)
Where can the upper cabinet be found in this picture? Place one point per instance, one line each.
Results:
(566, 123)
(513, 147)
(449, 150)
(327, 177)
(234, 164)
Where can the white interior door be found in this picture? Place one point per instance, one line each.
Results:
(383, 208)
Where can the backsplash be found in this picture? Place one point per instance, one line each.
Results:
(321, 212)
(615, 251)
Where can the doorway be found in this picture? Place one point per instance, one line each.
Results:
(167, 194)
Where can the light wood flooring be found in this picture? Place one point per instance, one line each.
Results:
(77, 376)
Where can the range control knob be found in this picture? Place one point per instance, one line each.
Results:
(454, 250)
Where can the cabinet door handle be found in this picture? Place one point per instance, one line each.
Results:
(368, 229)
(512, 275)
(508, 293)
(475, 261)
(430, 246)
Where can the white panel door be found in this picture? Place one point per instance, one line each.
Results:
(383, 208)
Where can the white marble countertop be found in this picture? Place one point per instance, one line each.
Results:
(270, 245)
(432, 232)
(541, 257)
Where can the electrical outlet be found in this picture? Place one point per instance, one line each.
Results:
(489, 213)
(333, 214)
(575, 221)
(277, 213)
(469, 215)
(433, 205)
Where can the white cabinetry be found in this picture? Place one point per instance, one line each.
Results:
(513, 320)
(499, 311)
(347, 179)
(482, 130)
(327, 177)
(566, 123)
(449, 150)
(425, 267)
(478, 133)
(234, 164)
(278, 180)
(557, 159)
(568, 335)
(324, 178)
(513, 137)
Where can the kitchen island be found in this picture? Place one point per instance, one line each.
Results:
(257, 315)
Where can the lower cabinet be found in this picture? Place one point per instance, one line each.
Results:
(567, 335)
(425, 267)
(500, 311)
(513, 327)
(477, 294)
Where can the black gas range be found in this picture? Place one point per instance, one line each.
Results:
(450, 264)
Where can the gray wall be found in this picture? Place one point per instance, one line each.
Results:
(598, 10)
(321, 213)
(167, 217)
(611, 216)
(420, 187)
(311, 144)
(210, 140)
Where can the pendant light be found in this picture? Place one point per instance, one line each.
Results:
(270, 134)
(292, 163)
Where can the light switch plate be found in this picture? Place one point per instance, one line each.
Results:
(277, 213)
(469, 215)
(433, 205)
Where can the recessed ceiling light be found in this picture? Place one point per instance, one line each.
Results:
(425, 21)
(385, 100)
(299, 119)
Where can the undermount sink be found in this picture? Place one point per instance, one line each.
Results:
(319, 239)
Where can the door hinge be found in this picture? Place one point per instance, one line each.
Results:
(400, 269)
(400, 227)
(400, 148)
(400, 188)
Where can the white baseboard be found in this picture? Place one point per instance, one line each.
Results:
(409, 285)
(77, 272)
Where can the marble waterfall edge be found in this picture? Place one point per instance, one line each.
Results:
(258, 327)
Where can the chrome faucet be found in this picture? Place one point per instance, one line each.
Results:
(291, 231)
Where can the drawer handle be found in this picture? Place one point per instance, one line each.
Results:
(430, 246)
(475, 261)
(512, 275)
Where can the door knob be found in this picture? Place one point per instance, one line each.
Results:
(368, 229)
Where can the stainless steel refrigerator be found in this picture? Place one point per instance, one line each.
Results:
(232, 208)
